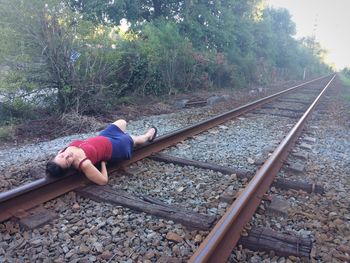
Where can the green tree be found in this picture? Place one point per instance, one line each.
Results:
(170, 46)
(43, 43)
(208, 24)
(135, 11)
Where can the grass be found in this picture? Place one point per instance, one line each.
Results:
(346, 83)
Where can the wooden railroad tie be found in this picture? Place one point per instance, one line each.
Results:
(266, 239)
(283, 109)
(148, 205)
(294, 101)
(34, 218)
(279, 182)
(258, 239)
(274, 114)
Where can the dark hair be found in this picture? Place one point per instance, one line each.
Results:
(54, 169)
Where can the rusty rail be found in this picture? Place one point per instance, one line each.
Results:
(42, 190)
(223, 238)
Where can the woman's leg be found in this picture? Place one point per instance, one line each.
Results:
(144, 137)
(121, 124)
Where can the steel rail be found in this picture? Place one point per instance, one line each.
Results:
(218, 245)
(45, 189)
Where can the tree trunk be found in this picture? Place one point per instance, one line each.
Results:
(157, 5)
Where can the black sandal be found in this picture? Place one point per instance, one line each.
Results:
(154, 135)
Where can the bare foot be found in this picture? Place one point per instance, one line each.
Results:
(152, 133)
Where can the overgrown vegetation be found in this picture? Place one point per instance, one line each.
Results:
(73, 56)
(345, 78)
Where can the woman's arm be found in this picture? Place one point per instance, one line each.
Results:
(93, 174)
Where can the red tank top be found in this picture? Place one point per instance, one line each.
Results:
(96, 149)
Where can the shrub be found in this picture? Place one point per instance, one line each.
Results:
(6, 132)
(159, 61)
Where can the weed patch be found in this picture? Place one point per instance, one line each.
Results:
(6, 132)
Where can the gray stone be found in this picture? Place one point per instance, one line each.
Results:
(259, 159)
(65, 249)
(306, 146)
(98, 246)
(70, 253)
(35, 242)
(278, 207)
(296, 167)
(301, 155)
(255, 259)
(92, 258)
(181, 103)
(309, 139)
(216, 99)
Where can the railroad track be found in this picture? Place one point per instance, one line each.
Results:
(214, 248)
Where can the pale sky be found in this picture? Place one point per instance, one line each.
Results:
(327, 20)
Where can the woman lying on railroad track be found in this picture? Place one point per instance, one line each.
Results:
(112, 144)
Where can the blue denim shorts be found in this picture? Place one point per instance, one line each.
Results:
(122, 143)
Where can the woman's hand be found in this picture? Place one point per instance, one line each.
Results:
(91, 172)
